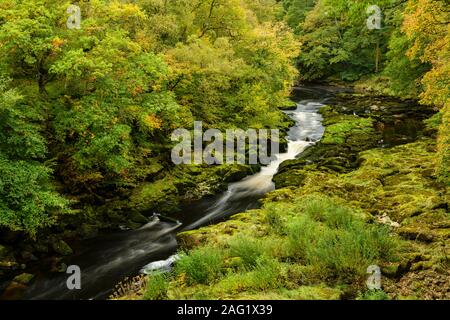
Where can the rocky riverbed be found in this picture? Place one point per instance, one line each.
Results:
(377, 160)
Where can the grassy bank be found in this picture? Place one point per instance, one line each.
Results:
(316, 235)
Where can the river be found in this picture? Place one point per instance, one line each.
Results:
(106, 260)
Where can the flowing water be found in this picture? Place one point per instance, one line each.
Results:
(106, 260)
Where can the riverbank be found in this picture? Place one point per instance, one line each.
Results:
(166, 190)
(366, 194)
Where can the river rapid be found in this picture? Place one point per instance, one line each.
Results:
(106, 260)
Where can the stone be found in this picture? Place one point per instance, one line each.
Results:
(62, 248)
(24, 278)
(390, 271)
(28, 256)
(133, 225)
(87, 231)
(4, 251)
(14, 291)
(136, 217)
(9, 265)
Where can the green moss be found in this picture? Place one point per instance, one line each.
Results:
(321, 231)
(374, 295)
(24, 278)
(161, 194)
(62, 248)
(352, 128)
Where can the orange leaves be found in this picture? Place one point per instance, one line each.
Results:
(57, 44)
(153, 122)
(137, 90)
(425, 24)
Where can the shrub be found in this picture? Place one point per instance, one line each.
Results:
(274, 219)
(373, 295)
(201, 265)
(249, 250)
(266, 273)
(157, 286)
(300, 233)
(335, 241)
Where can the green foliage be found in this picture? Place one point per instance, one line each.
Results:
(404, 73)
(336, 42)
(275, 219)
(296, 12)
(100, 102)
(27, 199)
(249, 250)
(202, 265)
(339, 132)
(157, 286)
(373, 295)
(336, 241)
(443, 156)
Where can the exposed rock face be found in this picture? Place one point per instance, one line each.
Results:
(354, 125)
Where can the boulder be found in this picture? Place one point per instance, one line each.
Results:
(136, 217)
(62, 248)
(4, 251)
(87, 231)
(24, 278)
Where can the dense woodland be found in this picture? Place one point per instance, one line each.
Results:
(86, 114)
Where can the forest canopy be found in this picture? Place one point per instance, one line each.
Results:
(91, 109)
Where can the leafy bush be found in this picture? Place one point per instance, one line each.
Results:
(28, 201)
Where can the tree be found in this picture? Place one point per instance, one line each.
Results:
(28, 201)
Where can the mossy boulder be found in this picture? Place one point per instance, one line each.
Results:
(87, 231)
(4, 251)
(161, 196)
(354, 131)
(344, 138)
(24, 278)
(9, 265)
(62, 248)
(288, 178)
(137, 217)
(285, 194)
(219, 233)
